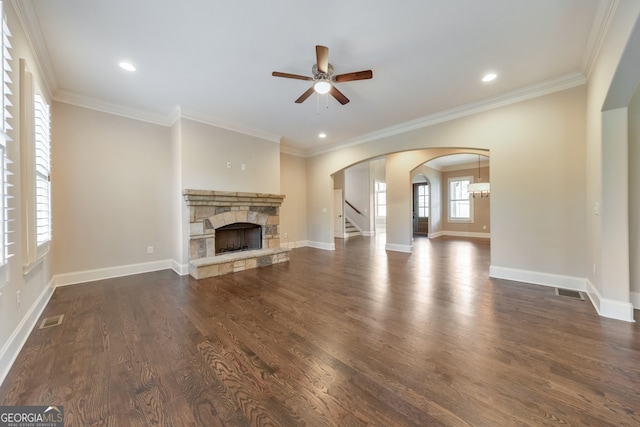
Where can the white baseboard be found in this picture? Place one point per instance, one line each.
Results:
(180, 269)
(538, 278)
(613, 309)
(398, 248)
(435, 234)
(16, 341)
(320, 245)
(111, 272)
(465, 234)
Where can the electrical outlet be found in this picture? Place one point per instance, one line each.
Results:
(149, 249)
(18, 299)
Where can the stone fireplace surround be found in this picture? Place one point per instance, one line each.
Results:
(210, 210)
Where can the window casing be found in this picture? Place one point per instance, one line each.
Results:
(35, 156)
(381, 198)
(460, 202)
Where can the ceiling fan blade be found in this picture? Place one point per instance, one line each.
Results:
(290, 76)
(322, 59)
(338, 95)
(305, 95)
(358, 75)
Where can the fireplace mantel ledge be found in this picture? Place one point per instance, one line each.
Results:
(237, 256)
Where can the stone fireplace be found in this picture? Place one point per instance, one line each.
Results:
(230, 232)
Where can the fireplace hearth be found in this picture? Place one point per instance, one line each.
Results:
(231, 232)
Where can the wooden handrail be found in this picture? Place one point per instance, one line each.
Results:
(353, 207)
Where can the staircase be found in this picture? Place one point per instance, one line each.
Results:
(350, 230)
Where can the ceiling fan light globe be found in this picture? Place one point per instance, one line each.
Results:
(322, 87)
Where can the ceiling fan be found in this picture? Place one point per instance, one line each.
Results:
(324, 78)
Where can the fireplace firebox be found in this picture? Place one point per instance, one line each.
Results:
(239, 236)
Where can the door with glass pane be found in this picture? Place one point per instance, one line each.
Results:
(421, 208)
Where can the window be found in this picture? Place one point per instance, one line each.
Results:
(35, 155)
(460, 208)
(423, 200)
(42, 144)
(381, 198)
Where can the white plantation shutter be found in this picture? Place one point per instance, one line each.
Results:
(42, 147)
(6, 76)
(6, 221)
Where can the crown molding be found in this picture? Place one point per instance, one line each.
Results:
(31, 28)
(547, 87)
(107, 107)
(234, 127)
(601, 23)
(285, 149)
(168, 120)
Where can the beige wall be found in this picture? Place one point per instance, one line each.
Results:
(634, 198)
(607, 182)
(436, 201)
(358, 191)
(206, 150)
(545, 184)
(293, 212)
(537, 199)
(481, 205)
(34, 285)
(112, 194)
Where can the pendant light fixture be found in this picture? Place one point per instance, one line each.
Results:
(479, 189)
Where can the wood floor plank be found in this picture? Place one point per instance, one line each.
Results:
(351, 337)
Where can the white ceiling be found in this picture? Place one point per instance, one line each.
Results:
(214, 59)
(457, 161)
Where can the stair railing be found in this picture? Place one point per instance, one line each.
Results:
(353, 207)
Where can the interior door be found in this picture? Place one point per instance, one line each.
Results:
(338, 214)
(421, 208)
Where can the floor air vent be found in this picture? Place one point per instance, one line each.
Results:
(569, 293)
(52, 321)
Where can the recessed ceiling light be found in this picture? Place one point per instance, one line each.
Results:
(489, 77)
(322, 135)
(127, 66)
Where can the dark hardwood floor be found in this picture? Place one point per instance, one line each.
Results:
(352, 337)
